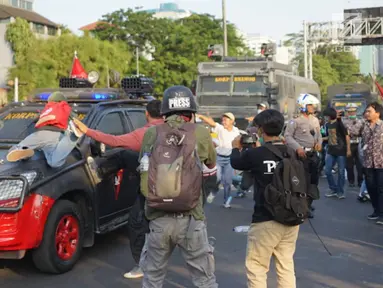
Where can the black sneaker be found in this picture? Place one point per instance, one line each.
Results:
(380, 221)
(373, 216)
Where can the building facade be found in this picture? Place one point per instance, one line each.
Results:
(22, 4)
(41, 26)
(169, 11)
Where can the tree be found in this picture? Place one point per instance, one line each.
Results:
(176, 46)
(41, 63)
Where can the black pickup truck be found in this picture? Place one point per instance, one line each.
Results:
(54, 213)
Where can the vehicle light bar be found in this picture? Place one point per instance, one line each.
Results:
(357, 95)
(80, 96)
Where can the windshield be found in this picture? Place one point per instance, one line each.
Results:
(341, 105)
(215, 84)
(249, 84)
(18, 125)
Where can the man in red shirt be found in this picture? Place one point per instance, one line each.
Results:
(138, 225)
(132, 140)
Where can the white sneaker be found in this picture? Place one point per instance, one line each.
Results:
(135, 273)
(210, 198)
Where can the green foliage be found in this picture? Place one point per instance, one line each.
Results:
(176, 46)
(41, 63)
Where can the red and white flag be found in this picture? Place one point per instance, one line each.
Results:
(77, 70)
(380, 88)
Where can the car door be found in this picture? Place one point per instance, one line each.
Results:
(110, 192)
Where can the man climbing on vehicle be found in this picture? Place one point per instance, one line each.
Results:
(56, 134)
(138, 224)
(172, 155)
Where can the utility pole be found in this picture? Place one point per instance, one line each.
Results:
(224, 28)
(107, 76)
(310, 61)
(137, 62)
(16, 96)
(305, 48)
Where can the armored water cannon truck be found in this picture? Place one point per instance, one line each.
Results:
(238, 84)
(340, 95)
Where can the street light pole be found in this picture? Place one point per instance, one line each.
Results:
(305, 48)
(137, 62)
(224, 28)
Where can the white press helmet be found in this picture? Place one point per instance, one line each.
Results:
(306, 99)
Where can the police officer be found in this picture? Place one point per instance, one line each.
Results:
(303, 135)
(353, 125)
(185, 230)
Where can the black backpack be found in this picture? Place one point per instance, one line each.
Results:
(286, 197)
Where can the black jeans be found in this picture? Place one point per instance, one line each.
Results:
(374, 182)
(311, 164)
(352, 161)
(138, 227)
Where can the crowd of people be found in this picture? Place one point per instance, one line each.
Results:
(181, 167)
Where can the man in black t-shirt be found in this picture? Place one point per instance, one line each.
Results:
(266, 237)
(337, 152)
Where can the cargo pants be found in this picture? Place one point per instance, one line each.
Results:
(191, 237)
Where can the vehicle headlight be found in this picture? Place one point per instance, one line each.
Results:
(30, 175)
(11, 193)
(11, 190)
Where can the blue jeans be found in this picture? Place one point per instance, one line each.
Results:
(225, 175)
(55, 145)
(363, 189)
(237, 179)
(330, 162)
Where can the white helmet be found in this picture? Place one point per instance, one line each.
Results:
(351, 107)
(306, 99)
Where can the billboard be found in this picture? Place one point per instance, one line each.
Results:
(373, 12)
(360, 29)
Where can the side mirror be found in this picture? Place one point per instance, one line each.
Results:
(273, 89)
(97, 148)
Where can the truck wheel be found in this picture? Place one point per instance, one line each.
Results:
(63, 239)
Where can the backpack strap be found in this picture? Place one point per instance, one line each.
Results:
(286, 171)
(274, 150)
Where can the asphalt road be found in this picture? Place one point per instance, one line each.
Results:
(354, 258)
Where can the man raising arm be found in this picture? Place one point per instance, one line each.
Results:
(132, 140)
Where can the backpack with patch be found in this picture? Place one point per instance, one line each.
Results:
(286, 197)
(175, 170)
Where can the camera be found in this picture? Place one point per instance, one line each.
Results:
(248, 138)
(341, 113)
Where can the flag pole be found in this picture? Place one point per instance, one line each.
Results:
(74, 58)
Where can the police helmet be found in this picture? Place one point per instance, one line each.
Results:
(351, 107)
(178, 99)
(306, 99)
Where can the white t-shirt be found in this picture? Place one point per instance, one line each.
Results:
(225, 137)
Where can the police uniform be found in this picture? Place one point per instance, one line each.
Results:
(354, 126)
(304, 132)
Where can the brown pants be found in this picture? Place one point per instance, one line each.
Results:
(267, 239)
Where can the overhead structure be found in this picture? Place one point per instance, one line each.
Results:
(353, 31)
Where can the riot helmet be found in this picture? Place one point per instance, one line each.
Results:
(178, 99)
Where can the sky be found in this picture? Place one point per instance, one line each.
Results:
(273, 18)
